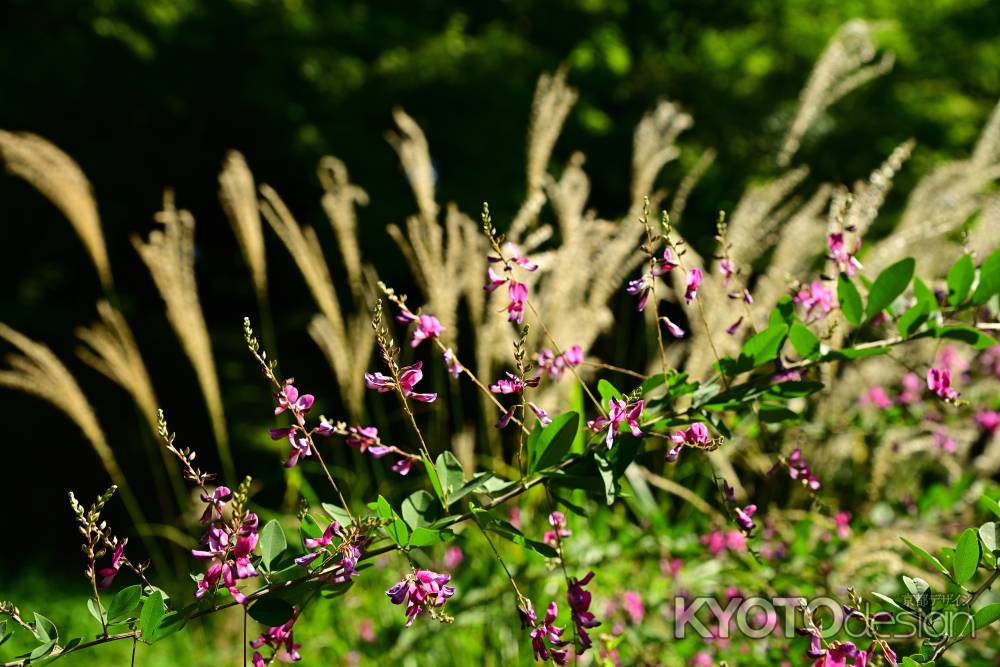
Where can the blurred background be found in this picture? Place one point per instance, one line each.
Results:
(150, 94)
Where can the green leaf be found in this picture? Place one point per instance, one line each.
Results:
(968, 335)
(272, 542)
(805, 342)
(794, 389)
(888, 600)
(43, 650)
(45, 630)
(911, 320)
(989, 279)
(171, 623)
(95, 612)
(151, 616)
(926, 555)
(986, 615)
(920, 590)
(783, 313)
(419, 509)
(771, 413)
(271, 610)
(553, 442)
(511, 533)
(651, 383)
(124, 604)
(338, 513)
(450, 473)
(966, 556)
(989, 533)
(483, 480)
(960, 277)
(309, 527)
(890, 284)
(607, 391)
(435, 482)
(425, 537)
(764, 346)
(395, 527)
(850, 300)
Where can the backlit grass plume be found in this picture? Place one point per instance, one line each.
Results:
(239, 199)
(169, 256)
(38, 371)
(58, 177)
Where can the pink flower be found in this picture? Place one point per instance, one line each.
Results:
(798, 469)
(843, 522)
(558, 521)
(453, 557)
(696, 434)
(641, 287)
(512, 384)
(422, 590)
(107, 574)
(493, 280)
(939, 382)
(732, 328)
(545, 631)
(228, 565)
(279, 639)
(728, 269)
(516, 257)
(844, 258)
(694, 278)
(665, 265)
(632, 602)
(911, 389)
(988, 420)
(877, 397)
(408, 378)
(556, 365)
(451, 361)
(619, 413)
(542, 415)
(219, 496)
(362, 437)
(428, 326)
(670, 567)
(402, 466)
(817, 301)
(702, 659)
(945, 442)
(300, 445)
(672, 328)
(289, 399)
(579, 600)
(518, 295)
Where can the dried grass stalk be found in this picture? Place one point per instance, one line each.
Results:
(411, 145)
(339, 199)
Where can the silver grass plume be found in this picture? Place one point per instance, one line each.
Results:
(59, 178)
(239, 200)
(37, 371)
(549, 108)
(169, 256)
(340, 196)
(848, 62)
(414, 153)
(653, 146)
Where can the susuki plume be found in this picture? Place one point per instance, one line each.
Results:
(58, 177)
(239, 199)
(169, 256)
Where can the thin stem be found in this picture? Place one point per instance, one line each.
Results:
(559, 352)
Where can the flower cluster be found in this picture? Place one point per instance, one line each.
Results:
(422, 590)
(427, 327)
(579, 604)
(939, 382)
(742, 515)
(228, 550)
(556, 364)
(279, 640)
(546, 637)
(643, 285)
(517, 292)
(816, 301)
(619, 413)
(798, 469)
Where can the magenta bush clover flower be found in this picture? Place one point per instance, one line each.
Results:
(451, 361)
(290, 399)
(428, 327)
(558, 522)
(279, 639)
(939, 382)
(696, 434)
(844, 259)
(817, 301)
(555, 365)
(214, 502)
(518, 295)
(694, 280)
(228, 565)
(618, 413)
(422, 590)
(579, 603)
(108, 574)
(640, 287)
(408, 378)
(512, 384)
(543, 632)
